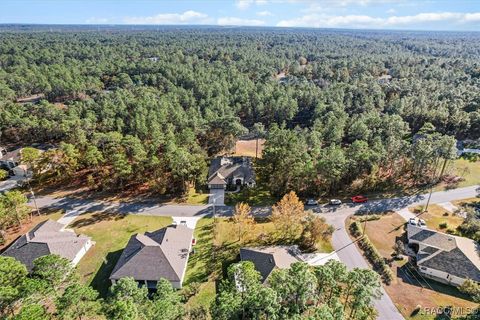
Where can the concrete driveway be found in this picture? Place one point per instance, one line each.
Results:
(10, 183)
(217, 196)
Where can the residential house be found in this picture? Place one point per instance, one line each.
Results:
(268, 258)
(442, 257)
(154, 255)
(10, 159)
(231, 171)
(48, 237)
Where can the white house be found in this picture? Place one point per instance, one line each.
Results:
(49, 237)
(443, 257)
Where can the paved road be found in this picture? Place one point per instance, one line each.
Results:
(335, 216)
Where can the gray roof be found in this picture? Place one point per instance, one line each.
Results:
(268, 258)
(46, 238)
(230, 167)
(457, 256)
(217, 179)
(155, 255)
(14, 155)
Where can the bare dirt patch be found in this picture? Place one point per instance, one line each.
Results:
(248, 147)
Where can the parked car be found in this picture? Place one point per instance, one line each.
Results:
(359, 199)
(412, 221)
(422, 223)
(335, 202)
(311, 202)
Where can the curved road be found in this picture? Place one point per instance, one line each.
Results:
(336, 216)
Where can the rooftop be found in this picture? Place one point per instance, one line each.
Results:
(458, 256)
(46, 238)
(154, 255)
(268, 258)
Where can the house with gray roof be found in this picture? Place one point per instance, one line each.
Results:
(445, 258)
(154, 255)
(231, 171)
(268, 258)
(48, 237)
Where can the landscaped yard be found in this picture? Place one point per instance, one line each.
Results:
(196, 197)
(438, 218)
(214, 253)
(408, 289)
(111, 233)
(257, 196)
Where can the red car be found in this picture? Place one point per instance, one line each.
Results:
(359, 199)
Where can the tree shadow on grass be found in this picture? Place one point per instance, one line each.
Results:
(95, 218)
(101, 281)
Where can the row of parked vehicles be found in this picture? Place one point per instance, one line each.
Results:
(337, 202)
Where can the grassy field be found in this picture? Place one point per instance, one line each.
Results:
(436, 217)
(468, 170)
(248, 147)
(217, 248)
(111, 233)
(408, 289)
(195, 197)
(253, 196)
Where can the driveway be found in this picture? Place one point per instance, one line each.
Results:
(10, 183)
(217, 196)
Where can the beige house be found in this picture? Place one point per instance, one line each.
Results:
(443, 257)
(49, 237)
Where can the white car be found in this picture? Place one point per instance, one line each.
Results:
(311, 202)
(335, 202)
(422, 223)
(412, 221)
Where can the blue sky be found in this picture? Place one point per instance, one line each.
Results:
(358, 14)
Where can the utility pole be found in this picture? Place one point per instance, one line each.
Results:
(428, 201)
(34, 201)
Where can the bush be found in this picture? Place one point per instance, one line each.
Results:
(377, 261)
(355, 229)
(445, 214)
(370, 217)
(3, 174)
(443, 225)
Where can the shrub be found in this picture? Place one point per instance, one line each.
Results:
(355, 229)
(445, 214)
(3, 174)
(377, 261)
(443, 225)
(370, 217)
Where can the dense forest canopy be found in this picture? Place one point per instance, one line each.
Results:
(132, 105)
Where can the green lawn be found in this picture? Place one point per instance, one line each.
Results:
(436, 216)
(257, 196)
(195, 197)
(468, 170)
(111, 233)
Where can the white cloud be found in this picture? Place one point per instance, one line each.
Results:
(364, 21)
(391, 11)
(265, 13)
(234, 21)
(187, 17)
(245, 4)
